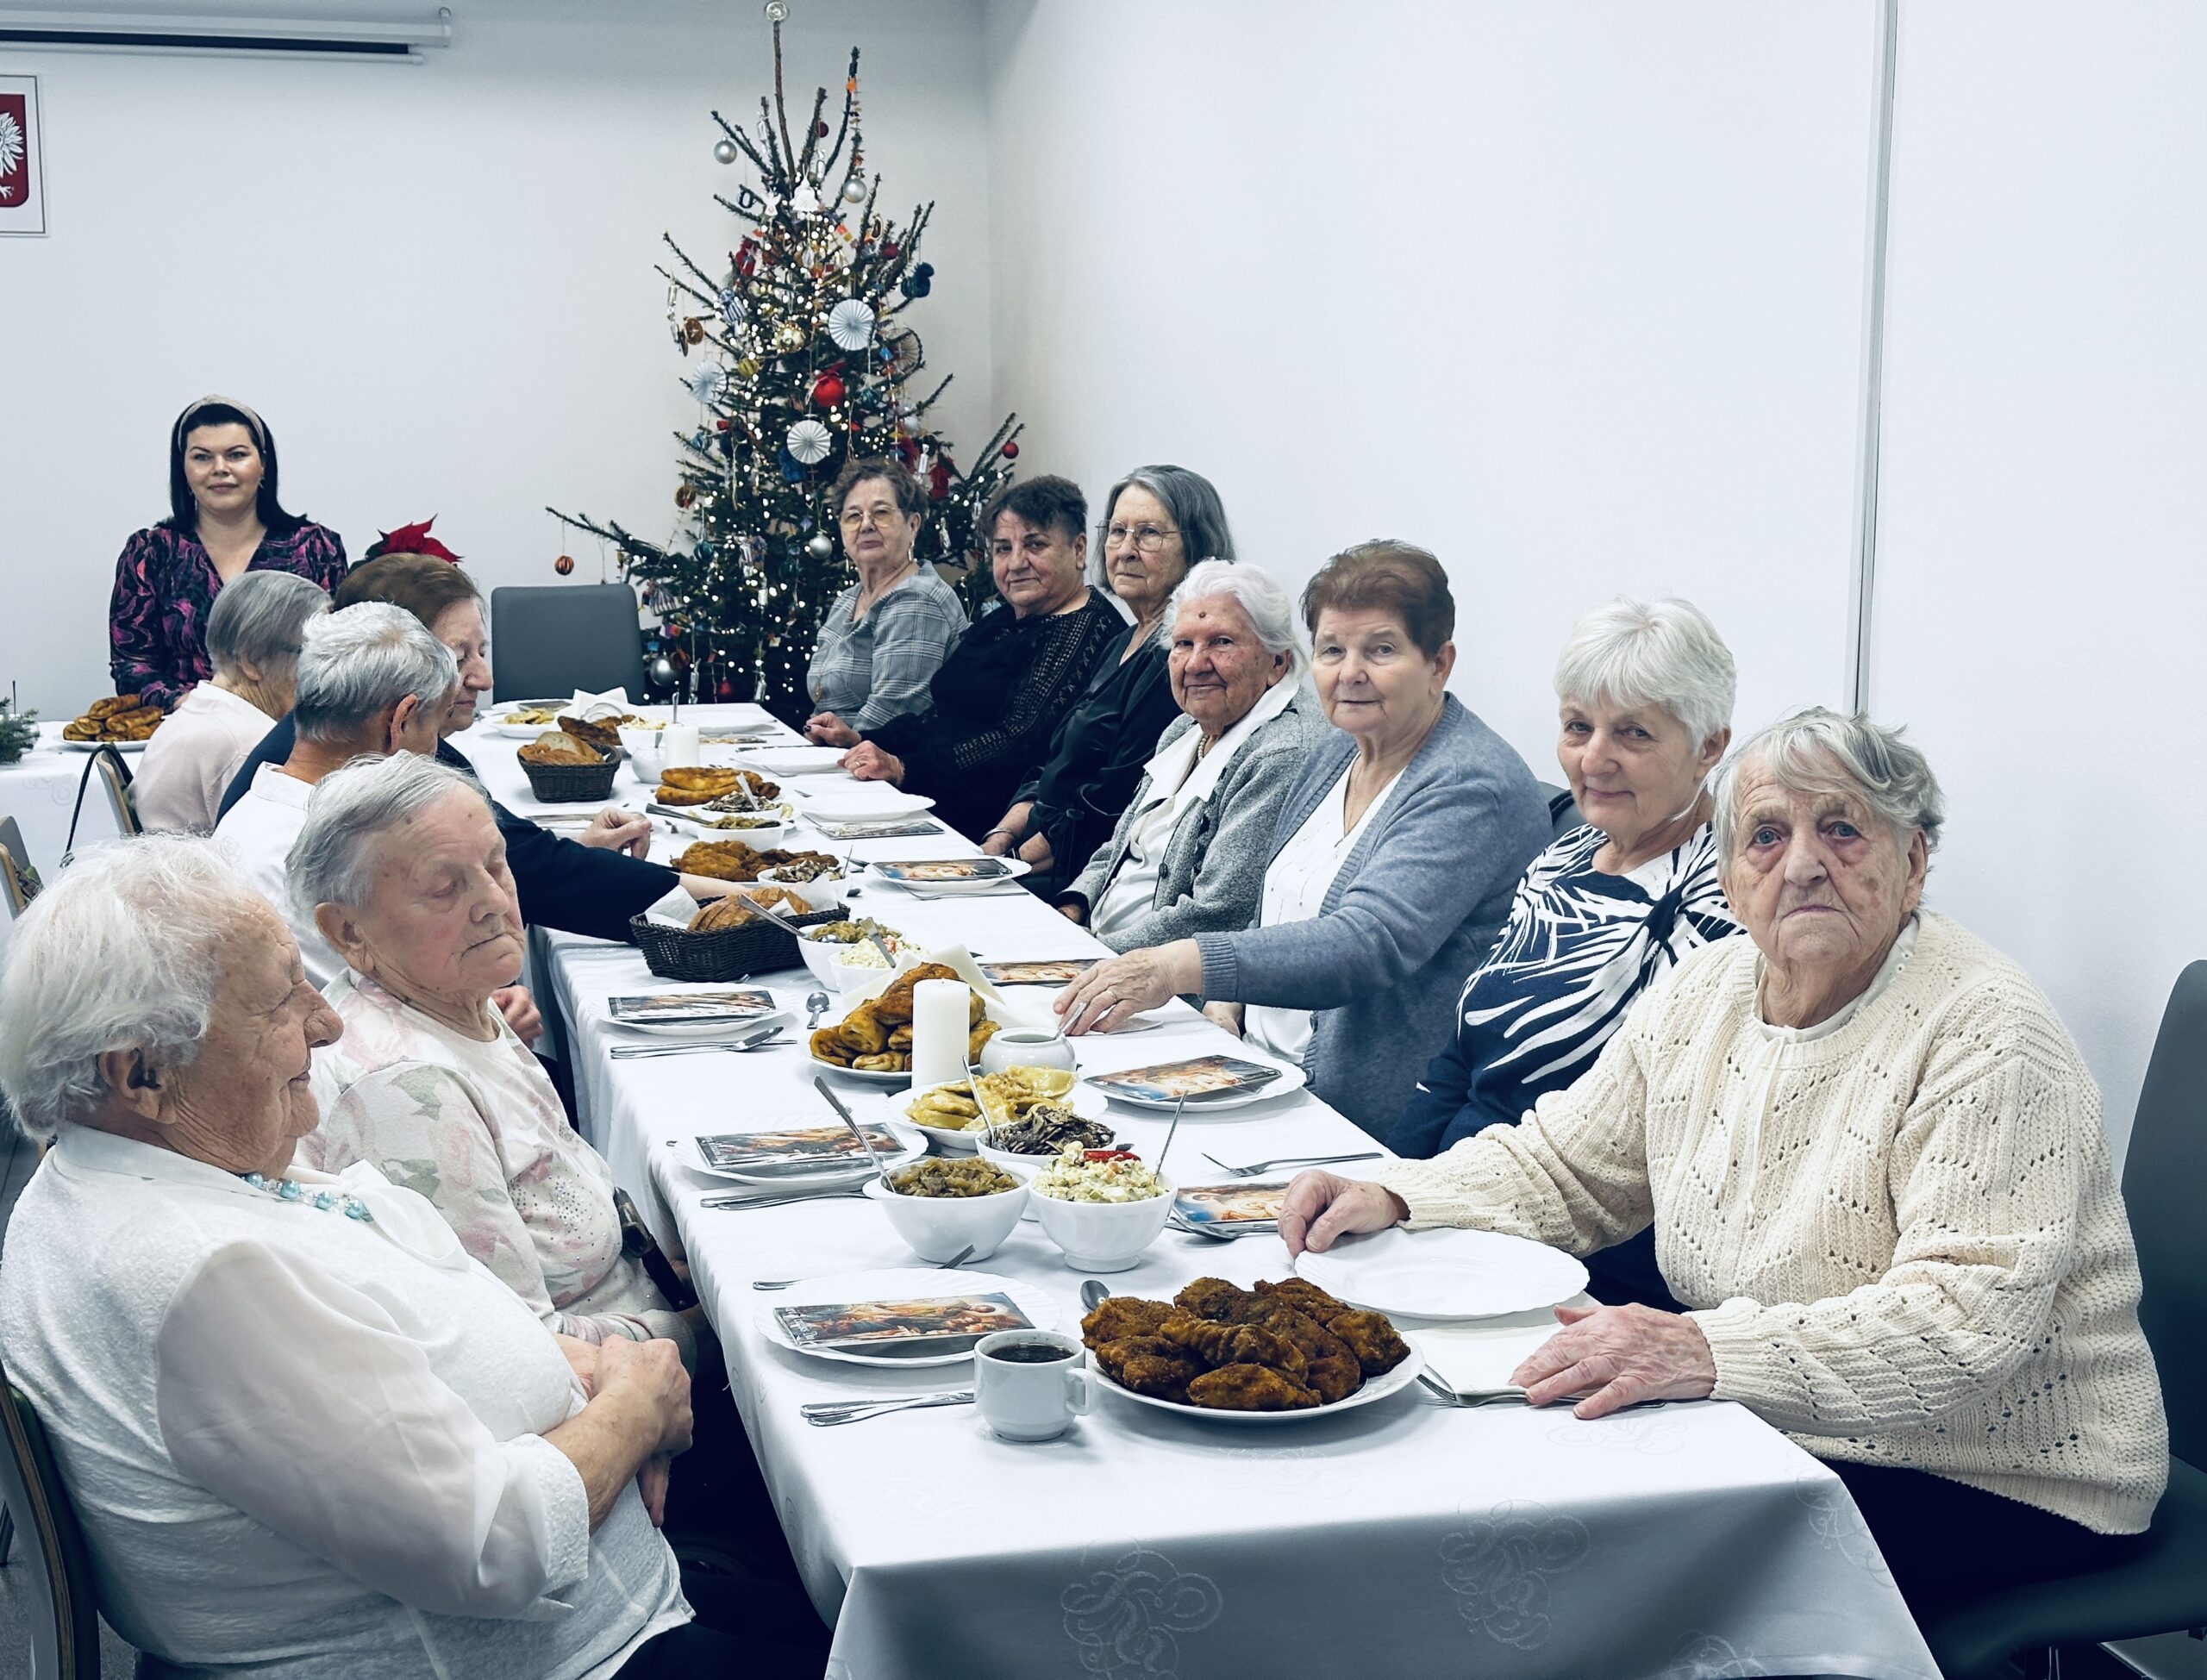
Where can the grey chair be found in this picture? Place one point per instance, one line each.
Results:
(64, 1613)
(2163, 1588)
(18, 881)
(550, 641)
(1563, 814)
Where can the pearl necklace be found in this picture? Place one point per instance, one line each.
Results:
(291, 1190)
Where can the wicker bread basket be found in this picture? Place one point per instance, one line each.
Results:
(567, 784)
(756, 947)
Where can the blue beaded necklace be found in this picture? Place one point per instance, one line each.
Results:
(291, 1190)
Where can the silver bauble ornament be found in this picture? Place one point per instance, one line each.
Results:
(820, 547)
(724, 150)
(854, 190)
(778, 11)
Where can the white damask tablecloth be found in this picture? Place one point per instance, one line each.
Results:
(38, 791)
(1403, 1538)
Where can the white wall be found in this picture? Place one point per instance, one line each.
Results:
(436, 281)
(1571, 294)
(2041, 589)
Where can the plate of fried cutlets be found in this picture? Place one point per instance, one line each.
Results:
(1274, 1354)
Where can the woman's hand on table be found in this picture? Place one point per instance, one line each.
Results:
(1111, 992)
(1009, 831)
(869, 763)
(616, 830)
(520, 1011)
(829, 730)
(1320, 1207)
(1617, 1357)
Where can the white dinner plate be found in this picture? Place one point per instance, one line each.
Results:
(1376, 1387)
(791, 761)
(910, 1283)
(863, 801)
(866, 1075)
(722, 1027)
(94, 746)
(911, 1146)
(1085, 1104)
(1444, 1274)
(1290, 1079)
(994, 881)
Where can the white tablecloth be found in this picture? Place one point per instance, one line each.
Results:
(1403, 1538)
(38, 789)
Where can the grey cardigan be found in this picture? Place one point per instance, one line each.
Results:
(1213, 873)
(1416, 908)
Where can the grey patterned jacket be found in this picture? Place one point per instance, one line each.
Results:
(1213, 873)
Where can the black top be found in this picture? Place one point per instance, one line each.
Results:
(1097, 757)
(995, 704)
(562, 884)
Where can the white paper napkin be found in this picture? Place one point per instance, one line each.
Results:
(1477, 1355)
(612, 703)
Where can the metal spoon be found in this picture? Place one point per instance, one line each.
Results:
(1093, 1293)
(818, 1003)
(1169, 1131)
(856, 1131)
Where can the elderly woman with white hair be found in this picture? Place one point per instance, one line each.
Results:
(1874, 1164)
(1187, 854)
(1644, 696)
(306, 1434)
(403, 871)
(253, 641)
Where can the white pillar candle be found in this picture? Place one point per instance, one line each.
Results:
(939, 1012)
(677, 744)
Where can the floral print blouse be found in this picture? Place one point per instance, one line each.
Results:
(477, 1128)
(164, 587)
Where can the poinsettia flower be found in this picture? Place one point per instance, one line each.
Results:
(412, 539)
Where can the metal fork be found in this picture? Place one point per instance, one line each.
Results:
(1501, 1396)
(629, 1053)
(779, 1200)
(826, 1413)
(1255, 1167)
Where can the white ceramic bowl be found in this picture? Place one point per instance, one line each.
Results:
(935, 1228)
(825, 958)
(643, 753)
(1022, 1167)
(1102, 1236)
(822, 892)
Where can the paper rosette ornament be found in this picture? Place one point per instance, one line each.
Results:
(809, 442)
(707, 381)
(850, 323)
(903, 347)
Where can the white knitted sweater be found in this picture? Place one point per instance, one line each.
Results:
(1904, 1240)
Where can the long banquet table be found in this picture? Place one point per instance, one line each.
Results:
(1403, 1537)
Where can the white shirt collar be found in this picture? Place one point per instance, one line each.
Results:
(87, 1149)
(1170, 776)
(206, 697)
(270, 783)
(1896, 959)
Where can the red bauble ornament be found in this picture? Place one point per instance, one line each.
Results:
(720, 425)
(1010, 448)
(746, 257)
(890, 249)
(828, 390)
(726, 688)
(938, 480)
(821, 129)
(564, 565)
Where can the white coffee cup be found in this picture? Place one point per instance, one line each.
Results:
(1029, 1384)
(1024, 1046)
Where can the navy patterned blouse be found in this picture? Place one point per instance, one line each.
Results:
(164, 587)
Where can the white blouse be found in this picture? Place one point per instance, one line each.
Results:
(257, 834)
(187, 766)
(309, 1444)
(1296, 885)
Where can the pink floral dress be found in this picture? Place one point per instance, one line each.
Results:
(477, 1128)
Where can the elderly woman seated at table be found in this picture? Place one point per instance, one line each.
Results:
(304, 1433)
(887, 634)
(1389, 869)
(253, 641)
(403, 871)
(1873, 1163)
(1646, 706)
(1187, 854)
(998, 699)
(1158, 521)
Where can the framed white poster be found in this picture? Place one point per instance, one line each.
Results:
(22, 158)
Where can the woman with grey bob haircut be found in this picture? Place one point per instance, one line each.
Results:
(1872, 1161)
(253, 636)
(1644, 699)
(402, 869)
(305, 1435)
(1157, 522)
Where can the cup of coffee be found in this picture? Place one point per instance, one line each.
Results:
(1029, 1384)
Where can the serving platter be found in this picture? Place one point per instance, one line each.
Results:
(1444, 1274)
(1375, 1388)
(94, 746)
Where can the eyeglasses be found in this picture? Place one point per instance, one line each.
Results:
(857, 519)
(1147, 538)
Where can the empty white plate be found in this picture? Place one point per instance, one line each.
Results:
(1444, 1274)
(863, 801)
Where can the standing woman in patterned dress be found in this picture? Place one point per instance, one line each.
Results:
(224, 521)
(1644, 694)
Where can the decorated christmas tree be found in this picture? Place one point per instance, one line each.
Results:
(800, 359)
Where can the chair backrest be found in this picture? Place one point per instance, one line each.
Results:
(2165, 1182)
(64, 1613)
(115, 775)
(553, 640)
(1563, 813)
(18, 885)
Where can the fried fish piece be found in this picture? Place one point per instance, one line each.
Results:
(1119, 1315)
(1148, 1365)
(719, 860)
(1304, 1296)
(1333, 1377)
(1232, 1344)
(664, 795)
(1371, 1338)
(1248, 1388)
(720, 778)
(1212, 1297)
(895, 1004)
